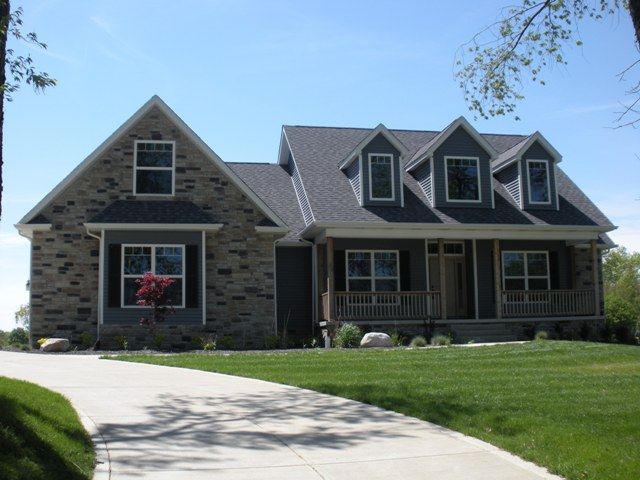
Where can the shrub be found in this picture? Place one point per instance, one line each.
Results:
(397, 339)
(18, 337)
(311, 343)
(226, 343)
(271, 342)
(621, 317)
(348, 336)
(418, 341)
(541, 335)
(158, 341)
(122, 342)
(154, 293)
(441, 340)
(86, 340)
(209, 345)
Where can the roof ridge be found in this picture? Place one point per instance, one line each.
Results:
(251, 163)
(403, 130)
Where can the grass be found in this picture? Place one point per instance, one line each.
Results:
(572, 407)
(41, 436)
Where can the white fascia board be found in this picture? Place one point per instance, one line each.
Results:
(26, 229)
(274, 230)
(155, 101)
(442, 136)
(380, 129)
(536, 136)
(284, 148)
(209, 227)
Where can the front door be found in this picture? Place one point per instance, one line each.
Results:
(456, 282)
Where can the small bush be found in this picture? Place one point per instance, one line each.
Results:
(209, 345)
(226, 343)
(18, 337)
(158, 341)
(310, 343)
(348, 336)
(541, 335)
(271, 342)
(86, 340)
(441, 340)
(418, 341)
(122, 342)
(397, 339)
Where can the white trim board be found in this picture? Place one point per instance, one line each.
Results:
(380, 129)
(209, 227)
(154, 101)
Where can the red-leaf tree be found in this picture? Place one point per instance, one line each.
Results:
(153, 293)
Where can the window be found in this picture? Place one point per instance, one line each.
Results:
(450, 248)
(538, 171)
(166, 260)
(381, 181)
(153, 172)
(372, 271)
(525, 270)
(462, 179)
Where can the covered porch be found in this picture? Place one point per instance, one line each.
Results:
(449, 280)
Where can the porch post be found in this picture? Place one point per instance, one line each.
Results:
(497, 284)
(596, 280)
(443, 286)
(330, 279)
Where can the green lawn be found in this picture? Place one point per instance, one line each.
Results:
(41, 436)
(573, 407)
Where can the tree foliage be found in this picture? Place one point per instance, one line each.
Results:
(22, 316)
(526, 42)
(621, 278)
(153, 293)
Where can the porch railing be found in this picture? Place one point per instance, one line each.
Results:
(547, 303)
(382, 305)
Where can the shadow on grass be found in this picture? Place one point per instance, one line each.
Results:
(24, 455)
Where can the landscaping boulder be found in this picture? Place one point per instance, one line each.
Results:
(55, 345)
(376, 339)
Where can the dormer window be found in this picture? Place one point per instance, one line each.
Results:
(154, 167)
(538, 173)
(381, 177)
(462, 179)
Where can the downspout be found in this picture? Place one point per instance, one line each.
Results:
(100, 281)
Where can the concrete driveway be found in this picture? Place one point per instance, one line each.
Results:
(162, 423)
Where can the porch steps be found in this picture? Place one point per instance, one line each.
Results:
(484, 332)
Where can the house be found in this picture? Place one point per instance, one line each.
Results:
(482, 235)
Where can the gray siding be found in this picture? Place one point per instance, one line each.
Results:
(381, 145)
(131, 316)
(460, 143)
(293, 291)
(510, 178)
(300, 192)
(353, 174)
(423, 176)
(416, 248)
(537, 152)
(559, 260)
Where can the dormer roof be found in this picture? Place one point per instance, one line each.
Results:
(427, 150)
(379, 130)
(515, 153)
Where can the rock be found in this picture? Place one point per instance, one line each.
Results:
(55, 345)
(376, 339)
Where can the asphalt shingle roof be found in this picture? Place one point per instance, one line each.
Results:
(153, 211)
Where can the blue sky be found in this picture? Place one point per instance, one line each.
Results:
(237, 70)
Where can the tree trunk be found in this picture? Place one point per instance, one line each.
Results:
(634, 10)
(5, 11)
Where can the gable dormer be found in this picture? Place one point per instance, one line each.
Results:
(374, 169)
(528, 172)
(454, 167)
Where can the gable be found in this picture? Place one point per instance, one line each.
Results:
(153, 114)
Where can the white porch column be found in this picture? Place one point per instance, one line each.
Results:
(330, 279)
(497, 274)
(443, 285)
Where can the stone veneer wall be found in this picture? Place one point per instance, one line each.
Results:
(583, 272)
(239, 261)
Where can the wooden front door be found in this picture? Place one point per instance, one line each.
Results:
(456, 280)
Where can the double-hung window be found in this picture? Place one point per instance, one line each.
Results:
(525, 270)
(165, 260)
(381, 177)
(372, 271)
(462, 179)
(538, 173)
(154, 167)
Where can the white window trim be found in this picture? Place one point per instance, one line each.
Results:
(546, 162)
(435, 242)
(372, 278)
(153, 269)
(393, 178)
(446, 178)
(172, 168)
(526, 275)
